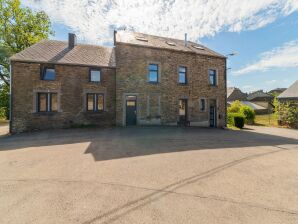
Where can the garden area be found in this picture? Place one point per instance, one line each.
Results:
(284, 115)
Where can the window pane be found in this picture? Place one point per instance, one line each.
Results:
(42, 102)
(211, 79)
(153, 67)
(182, 69)
(99, 102)
(49, 74)
(211, 72)
(152, 76)
(182, 78)
(54, 102)
(202, 104)
(90, 102)
(95, 76)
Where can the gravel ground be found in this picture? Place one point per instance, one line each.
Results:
(150, 175)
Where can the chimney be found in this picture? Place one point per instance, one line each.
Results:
(115, 33)
(72, 40)
(185, 39)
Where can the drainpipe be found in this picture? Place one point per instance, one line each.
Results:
(10, 98)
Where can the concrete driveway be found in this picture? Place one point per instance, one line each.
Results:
(150, 175)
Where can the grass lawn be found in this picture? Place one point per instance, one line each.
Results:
(269, 120)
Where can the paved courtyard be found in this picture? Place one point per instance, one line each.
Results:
(150, 175)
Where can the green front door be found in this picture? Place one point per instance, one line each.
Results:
(131, 111)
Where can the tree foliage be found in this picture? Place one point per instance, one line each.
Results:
(19, 28)
(288, 114)
(4, 101)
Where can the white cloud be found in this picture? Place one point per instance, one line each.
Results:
(249, 88)
(271, 82)
(94, 20)
(282, 57)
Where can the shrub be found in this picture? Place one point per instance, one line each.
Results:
(239, 120)
(2, 113)
(231, 118)
(235, 107)
(248, 113)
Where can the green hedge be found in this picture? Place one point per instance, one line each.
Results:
(239, 121)
(236, 119)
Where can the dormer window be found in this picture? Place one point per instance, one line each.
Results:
(170, 43)
(49, 74)
(141, 38)
(198, 47)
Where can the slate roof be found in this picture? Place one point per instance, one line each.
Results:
(277, 90)
(291, 92)
(57, 52)
(250, 104)
(234, 93)
(258, 94)
(141, 39)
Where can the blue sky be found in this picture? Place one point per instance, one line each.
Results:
(263, 32)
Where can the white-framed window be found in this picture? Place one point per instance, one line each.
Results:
(182, 72)
(153, 73)
(95, 75)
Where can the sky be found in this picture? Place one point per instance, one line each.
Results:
(264, 33)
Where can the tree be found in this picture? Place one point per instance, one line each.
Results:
(4, 101)
(19, 28)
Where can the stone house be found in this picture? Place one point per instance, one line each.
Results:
(290, 95)
(234, 94)
(142, 80)
(262, 99)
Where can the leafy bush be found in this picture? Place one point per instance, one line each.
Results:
(231, 118)
(288, 114)
(2, 113)
(248, 113)
(235, 107)
(239, 121)
(4, 101)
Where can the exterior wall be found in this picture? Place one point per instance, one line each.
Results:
(158, 103)
(71, 84)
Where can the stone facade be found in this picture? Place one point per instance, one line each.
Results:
(124, 78)
(72, 84)
(159, 103)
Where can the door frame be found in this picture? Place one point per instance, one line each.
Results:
(186, 108)
(216, 112)
(124, 107)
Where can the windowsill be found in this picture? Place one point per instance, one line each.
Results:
(95, 82)
(48, 80)
(46, 113)
(213, 85)
(153, 83)
(182, 84)
(94, 112)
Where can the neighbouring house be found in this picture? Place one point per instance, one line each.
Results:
(290, 95)
(142, 80)
(262, 99)
(234, 94)
(277, 91)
